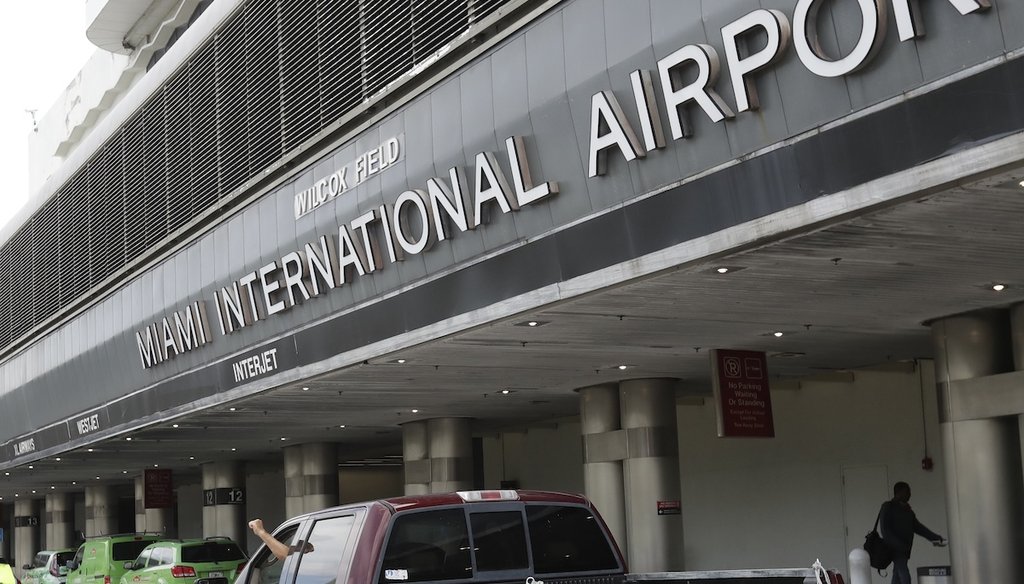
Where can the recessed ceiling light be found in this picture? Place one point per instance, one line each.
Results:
(400, 361)
(532, 323)
(236, 450)
(722, 270)
(1021, 183)
(74, 482)
(88, 449)
(33, 491)
(7, 474)
(415, 411)
(305, 389)
(777, 333)
(623, 367)
(156, 466)
(342, 426)
(191, 458)
(52, 487)
(999, 287)
(30, 467)
(124, 472)
(57, 459)
(129, 439)
(174, 425)
(283, 438)
(506, 391)
(231, 409)
(16, 495)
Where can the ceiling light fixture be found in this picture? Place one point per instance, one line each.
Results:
(52, 487)
(191, 458)
(342, 426)
(415, 411)
(722, 270)
(623, 367)
(305, 389)
(999, 287)
(777, 333)
(174, 425)
(57, 459)
(232, 409)
(97, 478)
(400, 361)
(1021, 183)
(283, 438)
(234, 450)
(128, 439)
(532, 323)
(124, 472)
(74, 482)
(506, 391)
(30, 467)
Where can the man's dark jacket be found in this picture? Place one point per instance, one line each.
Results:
(898, 524)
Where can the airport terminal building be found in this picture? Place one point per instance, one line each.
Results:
(731, 269)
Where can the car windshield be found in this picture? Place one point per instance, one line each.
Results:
(211, 551)
(129, 550)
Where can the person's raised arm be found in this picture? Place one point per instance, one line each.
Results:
(278, 548)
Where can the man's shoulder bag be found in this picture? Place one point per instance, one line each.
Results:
(878, 551)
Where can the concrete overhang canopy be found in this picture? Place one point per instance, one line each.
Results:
(110, 22)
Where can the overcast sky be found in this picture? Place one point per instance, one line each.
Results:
(43, 46)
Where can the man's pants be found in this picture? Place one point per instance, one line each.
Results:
(900, 571)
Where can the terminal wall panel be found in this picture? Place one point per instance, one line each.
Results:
(540, 83)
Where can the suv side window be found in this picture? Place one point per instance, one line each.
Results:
(266, 567)
(142, 560)
(427, 545)
(567, 539)
(320, 556)
(163, 556)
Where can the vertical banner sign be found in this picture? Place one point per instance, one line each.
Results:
(159, 489)
(742, 401)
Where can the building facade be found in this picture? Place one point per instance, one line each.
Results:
(305, 250)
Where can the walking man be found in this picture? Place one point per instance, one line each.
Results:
(898, 524)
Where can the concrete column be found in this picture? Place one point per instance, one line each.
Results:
(416, 458)
(451, 454)
(651, 470)
(319, 476)
(603, 453)
(26, 532)
(59, 519)
(150, 520)
(100, 510)
(294, 490)
(226, 519)
(984, 483)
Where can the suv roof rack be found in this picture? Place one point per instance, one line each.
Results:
(126, 534)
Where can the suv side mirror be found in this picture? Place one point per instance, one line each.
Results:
(72, 565)
(130, 565)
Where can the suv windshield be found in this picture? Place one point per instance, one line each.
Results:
(129, 550)
(211, 551)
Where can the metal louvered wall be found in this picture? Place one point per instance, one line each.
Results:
(275, 74)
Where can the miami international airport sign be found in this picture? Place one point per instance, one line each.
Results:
(421, 217)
